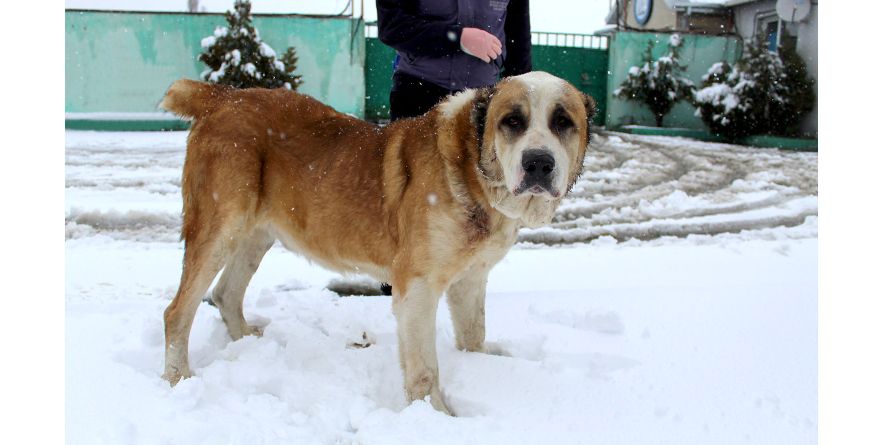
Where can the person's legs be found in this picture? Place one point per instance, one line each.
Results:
(411, 96)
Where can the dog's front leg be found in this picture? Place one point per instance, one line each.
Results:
(415, 308)
(467, 300)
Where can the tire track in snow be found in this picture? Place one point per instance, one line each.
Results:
(674, 186)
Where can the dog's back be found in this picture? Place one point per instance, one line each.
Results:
(286, 163)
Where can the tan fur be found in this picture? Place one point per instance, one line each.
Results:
(413, 203)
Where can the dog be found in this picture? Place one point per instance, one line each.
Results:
(428, 204)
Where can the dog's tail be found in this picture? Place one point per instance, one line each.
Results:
(193, 99)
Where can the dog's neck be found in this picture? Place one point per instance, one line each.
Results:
(460, 149)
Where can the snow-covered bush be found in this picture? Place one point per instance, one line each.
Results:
(801, 94)
(759, 95)
(721, 102)
(659, 83)
(237, 56)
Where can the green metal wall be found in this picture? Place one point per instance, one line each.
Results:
(124, 61)
(697, 54)
(583, 67)
(378, 71)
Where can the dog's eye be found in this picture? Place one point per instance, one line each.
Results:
(562, 123)
(514, 122)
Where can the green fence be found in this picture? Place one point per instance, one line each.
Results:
(583, 67)
(378, 71)
(698, 53)
(583, 60)
(119, 64)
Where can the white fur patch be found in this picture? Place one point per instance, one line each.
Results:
(453, 104)
(540, 82)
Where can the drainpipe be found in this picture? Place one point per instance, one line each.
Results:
(778, 35)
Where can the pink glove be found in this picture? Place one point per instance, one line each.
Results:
(480, 44)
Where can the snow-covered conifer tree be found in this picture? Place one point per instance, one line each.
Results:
(237, 56)
(659, 83)
(801, 93)
(759, 95)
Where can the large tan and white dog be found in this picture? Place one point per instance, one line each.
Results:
(428, 204)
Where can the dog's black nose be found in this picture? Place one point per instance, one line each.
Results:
(538, 165)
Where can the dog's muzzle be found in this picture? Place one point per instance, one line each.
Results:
(538, 173)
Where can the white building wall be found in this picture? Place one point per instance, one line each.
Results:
(807, 47)
(663, 18)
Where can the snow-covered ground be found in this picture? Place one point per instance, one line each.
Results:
(673, 301)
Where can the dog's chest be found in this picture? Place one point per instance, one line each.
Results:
(475, 239)
(491, 237)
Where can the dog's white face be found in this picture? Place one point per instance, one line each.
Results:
(535, 136)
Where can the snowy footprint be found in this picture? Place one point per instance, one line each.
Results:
(607, 322)
(496, 348)
(527, 348)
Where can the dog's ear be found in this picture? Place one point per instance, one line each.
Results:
(478, 112)
(591, 110)
(488, 163)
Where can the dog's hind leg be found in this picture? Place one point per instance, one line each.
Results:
(210, 234)
(221, 188)
(203, 259)
(231, 288)
(467, 299)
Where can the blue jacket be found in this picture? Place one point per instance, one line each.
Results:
(426, 35)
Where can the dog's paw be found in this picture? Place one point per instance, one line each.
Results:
(246, 329)
(436, 400)
(174, 375)
(255, 331)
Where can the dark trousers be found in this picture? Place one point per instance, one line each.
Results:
(411, 96)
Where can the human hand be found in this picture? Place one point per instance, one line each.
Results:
(480, 44)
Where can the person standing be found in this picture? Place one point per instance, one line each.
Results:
(446, 46)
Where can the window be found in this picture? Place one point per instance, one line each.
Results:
(767, 26)
(772, 35)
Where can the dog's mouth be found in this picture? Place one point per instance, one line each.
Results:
(536, 173)
(536, 189)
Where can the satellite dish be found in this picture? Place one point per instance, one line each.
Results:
(793, 10)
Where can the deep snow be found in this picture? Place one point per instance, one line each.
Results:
(699, 327)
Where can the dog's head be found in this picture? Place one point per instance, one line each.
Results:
(533, 131)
